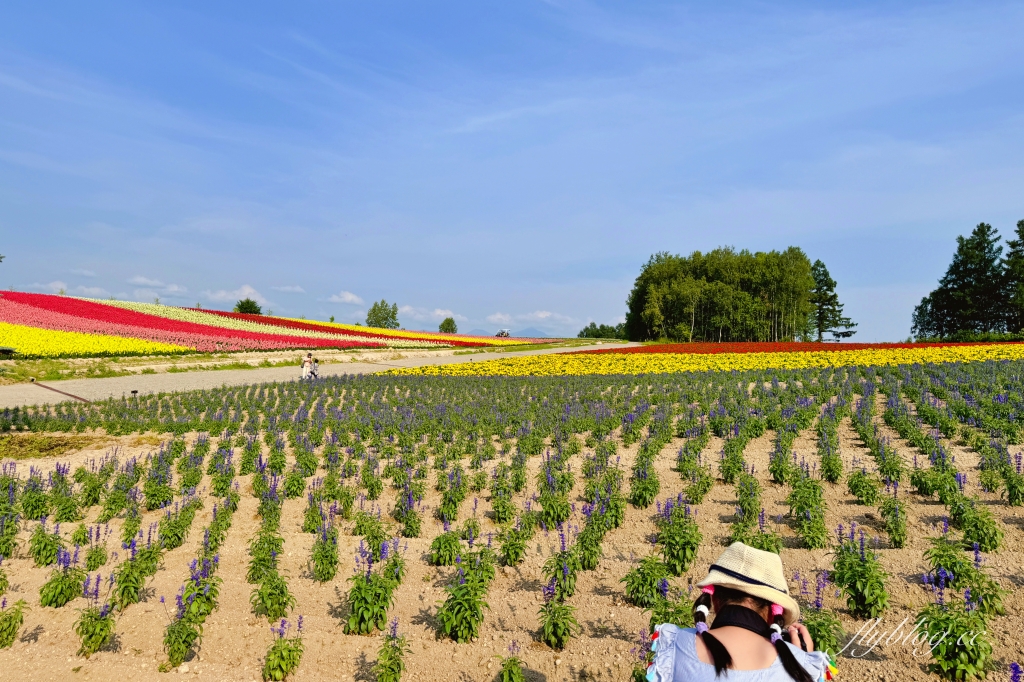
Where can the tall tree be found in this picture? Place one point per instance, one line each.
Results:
(971, 296)
(828, 311)
(448, 326)
(382, 315)
(246, 305)
(722, 295)
(1013, 264)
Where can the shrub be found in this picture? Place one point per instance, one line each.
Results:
(445, 549)
(272, 598)
(643, 582)
(462, 612)
(964, 652)
(557, 623)
(95, 629)
(864, 487)
(860, 576)
(65, 581)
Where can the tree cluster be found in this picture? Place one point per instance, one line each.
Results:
(603, 331)
(246, 305)
(729, 295)
(982, 291)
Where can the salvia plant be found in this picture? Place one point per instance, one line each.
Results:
(961, 650)
(390, 657)
(44, 547)
(11, 620)
(272, 598)
(65, 581)
(643, 582)
(370, 597)
(512, 665)
(558, 622)
(95, 624)
(858, 573)
(462, 612)
(324, 559)
(678, 536)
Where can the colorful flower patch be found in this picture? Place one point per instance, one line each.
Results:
(764, 347)
(574, 364)
(33, 342)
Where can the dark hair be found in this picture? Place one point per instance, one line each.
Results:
(720, 656)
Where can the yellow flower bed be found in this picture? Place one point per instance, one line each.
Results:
(46, 343)
(434, 337)
(567, 364)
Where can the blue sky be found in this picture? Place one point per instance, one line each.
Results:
(511, 163)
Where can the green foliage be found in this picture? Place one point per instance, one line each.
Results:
(324, 558)
(643, 581)
(248, 306)
(557, 624)
(369, 598)
(972, 295)
(679, 539)
(828, 311)
(894, 513)
(864, 487)
(724, 295)
(64, 585)
(677, 611)
(11, 619)
(448, 326)
(462, 612)
(283, 657)
(445, 548)
(603, 331)
(95, 629)
(511, 670)
(382, 315)
(179, 638)
(272, 598)
(964, 653)
(390, 657)
(860, 576)
(512, 547)
(824, 627)
(44, 546)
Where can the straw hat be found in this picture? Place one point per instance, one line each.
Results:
(756, 572)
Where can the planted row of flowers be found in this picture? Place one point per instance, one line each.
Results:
(579, 364)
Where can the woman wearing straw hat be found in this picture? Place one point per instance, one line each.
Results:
(747, 591)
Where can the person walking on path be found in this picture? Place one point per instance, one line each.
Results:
(746, 588)
(307, 366)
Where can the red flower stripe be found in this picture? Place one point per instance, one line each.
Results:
(145, 325)
(294, 324)
(764, 347)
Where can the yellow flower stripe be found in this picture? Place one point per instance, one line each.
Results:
(566, 364)
(46, 343)
(426, 336)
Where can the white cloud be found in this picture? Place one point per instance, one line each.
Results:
(290, 289)
(346, 297)
(500, 318)
(423, 314)
(93, 292)
(83, 273)
(154, 287)
(53, 287)
(244, 291)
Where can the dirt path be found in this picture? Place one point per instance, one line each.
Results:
(100, 389)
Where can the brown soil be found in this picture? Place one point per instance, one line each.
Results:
(235, 640)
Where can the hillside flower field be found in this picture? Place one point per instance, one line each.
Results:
(658, 359)
(46, 326)
(495, 527)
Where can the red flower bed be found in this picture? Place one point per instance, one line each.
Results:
(297, 324)
(763, 347)
(145, 325)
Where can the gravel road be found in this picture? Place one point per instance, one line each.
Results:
(99, 389)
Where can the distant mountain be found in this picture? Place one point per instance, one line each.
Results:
(479, 332)
(531, 333)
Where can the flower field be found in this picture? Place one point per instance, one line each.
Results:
(713, 358)
(465, 526)
(128, 328)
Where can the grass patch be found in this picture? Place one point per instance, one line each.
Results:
(34, 445)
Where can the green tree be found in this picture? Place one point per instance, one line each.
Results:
(1013, 264)
(603, 331)
(448, 326)
(382, 315)
(828, 311)
(971, 296)
(723, 295)
(248, 306)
